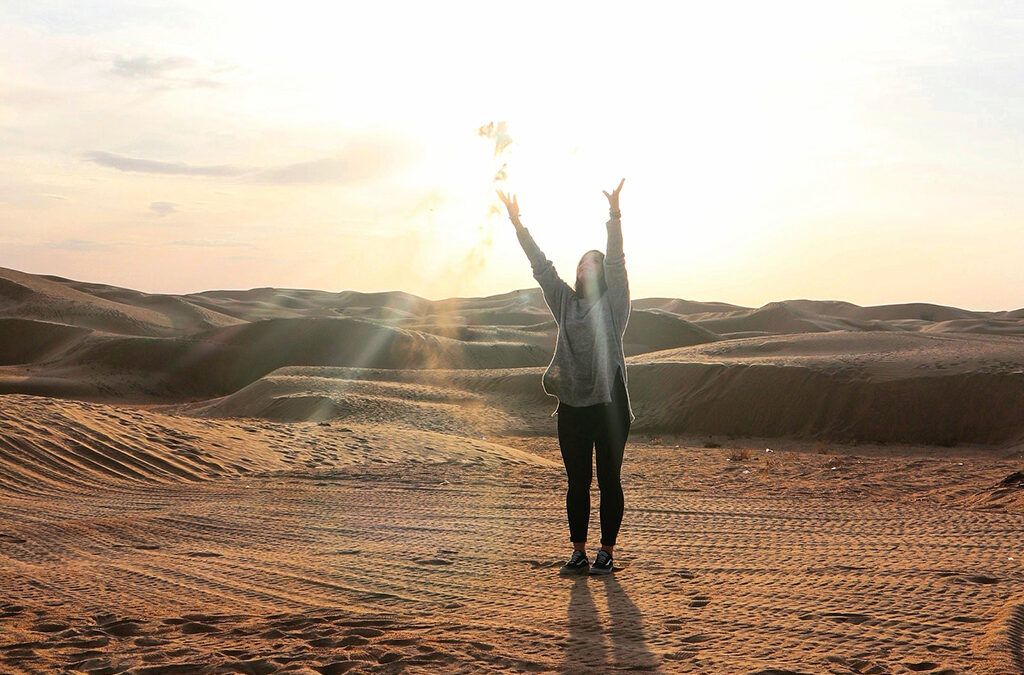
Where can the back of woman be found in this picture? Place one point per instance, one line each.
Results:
(587, 375)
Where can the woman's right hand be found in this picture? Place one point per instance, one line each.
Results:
(512, 204)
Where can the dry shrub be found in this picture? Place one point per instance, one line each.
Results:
(772, 464)
(739, 455)
(823, 447)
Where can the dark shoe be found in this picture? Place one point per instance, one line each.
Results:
(578, 564)
(602, 563)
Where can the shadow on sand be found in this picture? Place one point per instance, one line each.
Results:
(617, 642)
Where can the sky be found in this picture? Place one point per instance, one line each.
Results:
(864, 151)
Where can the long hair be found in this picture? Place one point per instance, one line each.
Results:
(602, 284)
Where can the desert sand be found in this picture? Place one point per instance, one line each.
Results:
(299, 481)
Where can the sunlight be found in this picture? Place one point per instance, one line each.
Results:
(738, 128)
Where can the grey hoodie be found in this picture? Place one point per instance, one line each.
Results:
(588, 349)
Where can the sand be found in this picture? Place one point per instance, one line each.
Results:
(299, 481)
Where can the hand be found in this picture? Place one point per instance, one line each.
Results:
(613, 198)
(512, 204)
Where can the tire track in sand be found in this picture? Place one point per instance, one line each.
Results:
(461, 561)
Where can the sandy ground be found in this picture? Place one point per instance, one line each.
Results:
(300, 481)
(335, 550)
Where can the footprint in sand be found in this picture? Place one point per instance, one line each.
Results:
(365, 632)
(122, 627)
(49, 626)
(193, 627)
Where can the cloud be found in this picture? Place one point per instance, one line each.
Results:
(206, 243)
(147, 66)
(359, 162)
(173, 71)
(162, 208)
(52, 195)
(64, 245)
(122, 163)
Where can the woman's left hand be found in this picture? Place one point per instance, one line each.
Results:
(613, 198)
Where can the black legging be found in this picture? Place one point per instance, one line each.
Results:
(605, 427)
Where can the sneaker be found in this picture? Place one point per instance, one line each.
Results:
(602, 563)
(578, 564)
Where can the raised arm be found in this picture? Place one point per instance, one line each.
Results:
(555, 290)
(615, 263)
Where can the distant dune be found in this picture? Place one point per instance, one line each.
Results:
(867, 386)
(799, 368)
(47, 450)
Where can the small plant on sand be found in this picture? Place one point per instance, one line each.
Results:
(834, 462)
(711, 443)
(772, 465)
(739, 455)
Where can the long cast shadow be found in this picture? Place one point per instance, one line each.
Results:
(585, 648)
(628, 636)
(1015, 636)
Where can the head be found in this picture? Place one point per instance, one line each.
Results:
(590, 280)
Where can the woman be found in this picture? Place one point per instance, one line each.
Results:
(587, 375)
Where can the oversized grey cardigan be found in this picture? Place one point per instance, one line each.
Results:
(588, 349)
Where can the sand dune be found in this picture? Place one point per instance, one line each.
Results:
(821, 369)
(989, 326)
(27, 340)
(373, 549)
(774, 318)
(879, 387)
(647, 330)
(214, 363)
(654, 330)
(355, 395)
(47, 449)
(298, 481)
(28, 296)
(890, 387)
(689, 308)
(854, 386)
(800, 316)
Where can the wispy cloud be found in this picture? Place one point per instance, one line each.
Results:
(148, 66)
(173, 71)
(123, 163)
(163, 208)
(357, 163)
(206, 243)
(360, 162)
(64, 245)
